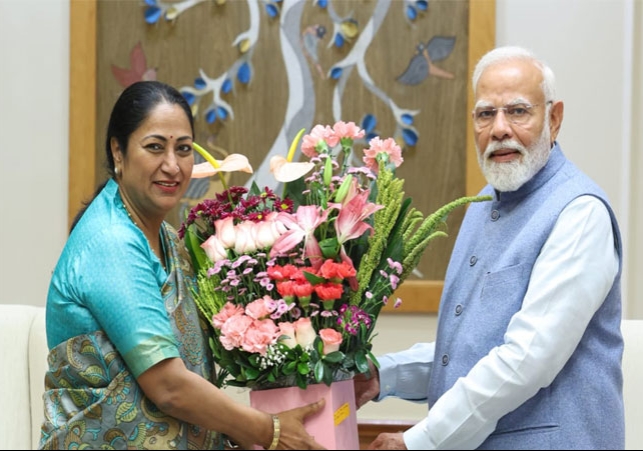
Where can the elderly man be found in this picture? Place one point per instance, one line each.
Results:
(528, 347)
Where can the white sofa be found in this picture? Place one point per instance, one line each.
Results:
(23, 360)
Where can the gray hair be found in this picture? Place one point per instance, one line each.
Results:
(504, 54)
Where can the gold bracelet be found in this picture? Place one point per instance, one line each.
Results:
(276, 432)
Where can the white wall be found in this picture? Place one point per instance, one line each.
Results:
(594, 46)
(34, 99)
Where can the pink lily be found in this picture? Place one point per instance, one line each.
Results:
(286, 171)
(301, 227)
(350, 220)
(231, 163)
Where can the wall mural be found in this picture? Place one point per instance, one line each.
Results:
(257, 71)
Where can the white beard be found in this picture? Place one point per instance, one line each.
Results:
(512, 175)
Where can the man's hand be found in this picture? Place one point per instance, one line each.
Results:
(388, 441)
(367, 385)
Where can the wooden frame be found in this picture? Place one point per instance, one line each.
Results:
(419, 296)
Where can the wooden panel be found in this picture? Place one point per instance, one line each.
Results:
(82, 103)
(369, 430)
(482, 38)
(424, 296)
(419, 296)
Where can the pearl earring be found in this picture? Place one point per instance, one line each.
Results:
(116, 171)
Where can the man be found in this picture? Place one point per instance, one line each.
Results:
(528, 348)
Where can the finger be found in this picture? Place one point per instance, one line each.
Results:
(313, 407)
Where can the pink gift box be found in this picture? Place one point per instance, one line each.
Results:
(334, 427)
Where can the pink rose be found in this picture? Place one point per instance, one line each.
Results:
(225, 231)
(259, 335)
(214, 249)
(268, 230)
(287, 334)
(332, 339)
(304, 332)
(245, 239)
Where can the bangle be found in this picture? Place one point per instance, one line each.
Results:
(276, 432)
(229, 444)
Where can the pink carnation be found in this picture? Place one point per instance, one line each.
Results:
(228, 311)
(234, 331)
(377, 146)
(348, 130)
(259, 335)
(261, 308)
(310, 142)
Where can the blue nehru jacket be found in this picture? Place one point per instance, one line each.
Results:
(486, 281)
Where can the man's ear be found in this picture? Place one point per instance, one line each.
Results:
(555, 119)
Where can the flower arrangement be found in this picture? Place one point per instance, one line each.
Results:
(294, 284)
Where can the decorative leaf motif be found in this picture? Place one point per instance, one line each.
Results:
(126, 412)
(411, 12)
(440, 47)
(153, 14)
(94, 374)
(244, 74)
(410, 137)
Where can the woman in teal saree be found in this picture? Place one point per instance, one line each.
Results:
(129, 363)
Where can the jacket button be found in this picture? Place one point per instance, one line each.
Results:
(495, 214)
(445, 359)
(473, 260)
(458, 309)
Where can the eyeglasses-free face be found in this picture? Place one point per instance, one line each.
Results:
(519, 114)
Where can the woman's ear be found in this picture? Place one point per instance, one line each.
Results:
(117, 152)
(555, 119)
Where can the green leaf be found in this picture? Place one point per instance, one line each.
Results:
(251, 373)
(301, 382)
(295, 191)
(254, 189)
(193, 244)
(328, 376)
(318, 344)
(319, 371)
(329, 247)
(313, 279)
(289, 368)
(303, 368)
(373, 359)
(361, 362)
(334, 357)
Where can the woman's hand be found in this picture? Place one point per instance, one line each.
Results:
(293, 434)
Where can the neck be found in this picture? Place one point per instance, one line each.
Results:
(151, 230)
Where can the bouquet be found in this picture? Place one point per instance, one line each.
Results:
(293, 283)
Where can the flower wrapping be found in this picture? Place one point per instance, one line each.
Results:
(334, 427)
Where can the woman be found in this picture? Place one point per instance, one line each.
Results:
(129, 362)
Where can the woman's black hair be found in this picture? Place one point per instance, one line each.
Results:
(130, 110)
